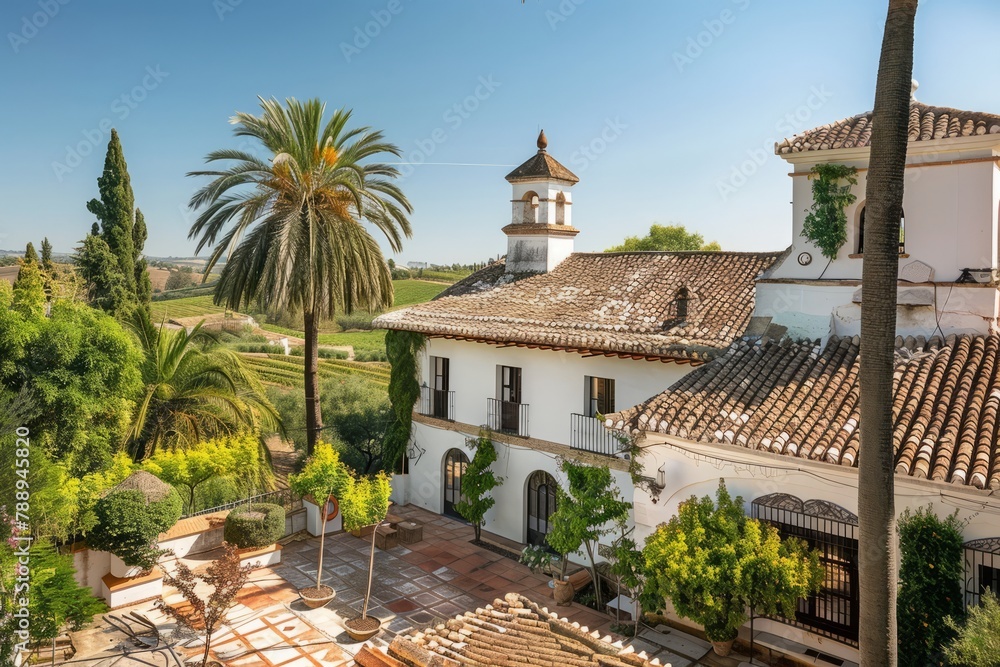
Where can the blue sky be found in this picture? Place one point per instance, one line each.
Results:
(653, 104)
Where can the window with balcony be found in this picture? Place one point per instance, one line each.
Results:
(588, 433)
(437, 400)
(506, 413)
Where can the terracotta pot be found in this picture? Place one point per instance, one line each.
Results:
(723, 648)
(315, 601)
(362, 635)
(562, 591)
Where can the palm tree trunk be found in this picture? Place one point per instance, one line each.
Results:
(884, 202)
(314, 419)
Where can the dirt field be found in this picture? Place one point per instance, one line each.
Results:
(9, 273)
(159, 278)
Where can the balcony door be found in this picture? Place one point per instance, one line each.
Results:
(439, 387)
(510, 397)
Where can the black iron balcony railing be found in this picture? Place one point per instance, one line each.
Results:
(590, 435)
(438, 403)
(507, 417)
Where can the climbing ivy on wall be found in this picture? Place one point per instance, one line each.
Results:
(826, 223)
(401, 348)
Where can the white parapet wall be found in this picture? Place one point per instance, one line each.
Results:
(314, 520)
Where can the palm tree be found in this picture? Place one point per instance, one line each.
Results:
(884, 194)
(194, 389)
(298, 239)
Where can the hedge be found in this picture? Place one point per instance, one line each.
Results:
(128, 526)
(255, 526)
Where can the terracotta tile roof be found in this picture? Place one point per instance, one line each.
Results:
(541, 165)
(926, 123)
(509, 632)
(625, 303)
(795, 399)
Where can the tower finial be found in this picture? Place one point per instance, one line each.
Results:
(914, 84)
(542, 142)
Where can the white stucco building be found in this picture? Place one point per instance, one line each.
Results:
(740, 366)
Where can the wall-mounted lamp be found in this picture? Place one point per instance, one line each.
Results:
(654, 485)
(661, 477)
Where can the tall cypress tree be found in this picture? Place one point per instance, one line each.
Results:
(30, 256)
(46, 254)
(116, 210)
(143, 286)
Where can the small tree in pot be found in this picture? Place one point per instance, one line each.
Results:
(366, 504)
(324, 476)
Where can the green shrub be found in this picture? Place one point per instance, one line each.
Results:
(128, 526)
(930, 585)
(361, 321)
(370, 355)
(978, 640)
(326, 353)
(255, 526)
(297, 351)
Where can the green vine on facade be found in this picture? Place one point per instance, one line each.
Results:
(826, 224)
(402, 349)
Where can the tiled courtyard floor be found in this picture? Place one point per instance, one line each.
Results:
(414, 586)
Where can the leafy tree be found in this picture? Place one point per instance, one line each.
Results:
(57, 601)
(226, 577)
(585, 513)
(324, 475)
(478, 481)
(128, 524)
(298, 240)
(47, 255)
(105, 285)
(29, 290)
(690, 561)
(193, 392)
(977, 643)
(236, 456)
(672, 238)
(366, 504)
(30, 255)
(628, 567)
(115, 210)
(930, 585)
(876, 474)
(360, 413)
(180, 280)
(82, 370)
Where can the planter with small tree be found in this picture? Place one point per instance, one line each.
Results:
(542, 561)
(583, 514)
(324, 476)
(366, 504)
(254, 530)
(129, 518)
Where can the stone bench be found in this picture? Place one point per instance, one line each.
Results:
(409, 532)
(386, 537)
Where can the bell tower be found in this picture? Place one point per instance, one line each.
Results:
(540, 234)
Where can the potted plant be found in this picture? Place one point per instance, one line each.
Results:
(539, 559)
(253, 527)
(323, 477)
(366, 504)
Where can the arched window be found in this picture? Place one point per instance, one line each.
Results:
(861, 232)
(560, 209)
(455, 463)
(529, 207)
(541, 503)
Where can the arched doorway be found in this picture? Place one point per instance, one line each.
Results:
(540, 506)
(455, 462)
